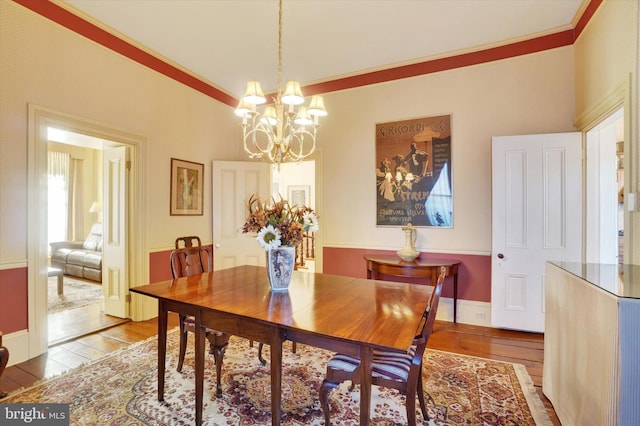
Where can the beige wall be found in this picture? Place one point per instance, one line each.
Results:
(606, 52)
(47, 65)
(607, 58)
(55, 68)
(528, 94)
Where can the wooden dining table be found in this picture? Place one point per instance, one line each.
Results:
(341, 314)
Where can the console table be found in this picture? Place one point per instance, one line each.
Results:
(422, 267)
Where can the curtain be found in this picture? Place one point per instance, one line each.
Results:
(439, 204)
(65, 215)
(75, 202)
(58, 178)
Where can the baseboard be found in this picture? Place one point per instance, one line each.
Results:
(18, 345)
(469, 312)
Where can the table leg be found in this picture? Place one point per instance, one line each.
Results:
(162, 347)
(276, 376)
(199, 355)
(60, 282)
(365, 385)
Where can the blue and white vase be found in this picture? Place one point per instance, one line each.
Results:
(280, 266)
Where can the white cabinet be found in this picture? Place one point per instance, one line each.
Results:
(591, 369)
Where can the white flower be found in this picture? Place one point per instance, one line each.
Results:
(310, 222)
(269, 237)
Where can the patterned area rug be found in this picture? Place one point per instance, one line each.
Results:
(121, 389)
(76, 293)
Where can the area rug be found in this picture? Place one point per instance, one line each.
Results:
(121, 389)
(76, 293)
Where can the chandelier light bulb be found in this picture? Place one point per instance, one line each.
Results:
(243, 110)
(302, 118)
(293, 94)
(253, 95)
(269, 116)
(316, 107)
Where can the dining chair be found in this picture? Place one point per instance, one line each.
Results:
(187, 261)
(191, 241)
(396, 370)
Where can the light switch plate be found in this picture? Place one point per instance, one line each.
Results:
(631, 201)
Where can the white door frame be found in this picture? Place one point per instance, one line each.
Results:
(39, 119)
(601, 200)
(618, 97)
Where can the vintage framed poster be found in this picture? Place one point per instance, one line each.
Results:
(186, 188)
(413, 172)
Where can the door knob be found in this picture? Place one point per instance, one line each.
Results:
(500, 256)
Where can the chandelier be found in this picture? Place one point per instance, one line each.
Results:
(286, 130)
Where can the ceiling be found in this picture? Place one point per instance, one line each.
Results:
(228, 42)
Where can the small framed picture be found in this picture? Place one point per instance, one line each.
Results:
(187, 179)
(298, 195)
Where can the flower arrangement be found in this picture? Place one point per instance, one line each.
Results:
(279, 224)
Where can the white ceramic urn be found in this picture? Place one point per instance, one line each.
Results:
(408, 253)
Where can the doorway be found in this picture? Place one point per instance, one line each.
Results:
(235, 181)
(40, 120)
(609, 192)
(296, 182)
(605, 199)
(74, 217)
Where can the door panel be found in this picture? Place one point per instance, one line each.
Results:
(115, 247)
(537, 216)
(233, 183)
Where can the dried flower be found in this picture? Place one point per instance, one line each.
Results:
(280, 223)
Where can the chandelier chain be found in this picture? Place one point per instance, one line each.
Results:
(280, 49)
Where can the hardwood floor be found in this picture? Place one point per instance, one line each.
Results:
(503, 345)
(76, 320)
(68, 325)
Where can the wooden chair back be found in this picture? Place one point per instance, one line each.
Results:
(189, 261)
(429, 317)
(187, 242)
(413, 385)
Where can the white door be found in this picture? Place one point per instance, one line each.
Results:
(537, 216)
(115, 251)
(233, 182)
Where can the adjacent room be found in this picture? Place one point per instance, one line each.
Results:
(74, 224)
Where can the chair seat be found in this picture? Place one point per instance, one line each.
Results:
(384, 364)
(190, 321)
